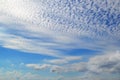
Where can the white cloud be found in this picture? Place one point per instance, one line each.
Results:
(101, 67)
(76, 67)
(57, 69)
(73, 58)
(57, 61)
(20, 75)
(108, 63)
(64, 60)
(105, 63)
(37, 66)
(14, 75)
(53, 68)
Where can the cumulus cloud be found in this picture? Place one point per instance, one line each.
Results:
(108, 63)
(105, 63)
(76, 67)
(103, 67)
(57, 69)
(97, 68)
(52, 68)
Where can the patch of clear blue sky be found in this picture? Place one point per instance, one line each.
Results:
(82, 52)
(18, 56)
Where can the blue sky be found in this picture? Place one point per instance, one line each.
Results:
(59, 40)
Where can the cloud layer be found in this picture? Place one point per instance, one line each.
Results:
(56, 27)
(47, 25)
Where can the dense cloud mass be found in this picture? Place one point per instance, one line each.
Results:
(108, 63)
(58, 28)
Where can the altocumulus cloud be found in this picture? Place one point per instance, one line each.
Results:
(35, 24)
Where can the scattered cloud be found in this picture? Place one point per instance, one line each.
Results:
(106, 64)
